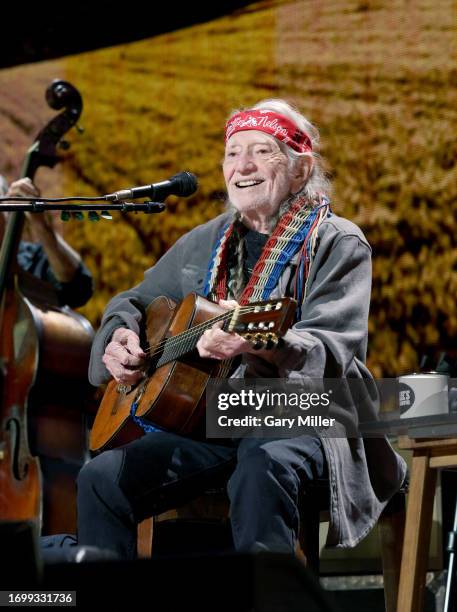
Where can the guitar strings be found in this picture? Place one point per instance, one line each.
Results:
(186, 335)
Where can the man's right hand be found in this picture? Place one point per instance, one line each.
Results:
(124, 357)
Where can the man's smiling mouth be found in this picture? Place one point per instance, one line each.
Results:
(250, 183)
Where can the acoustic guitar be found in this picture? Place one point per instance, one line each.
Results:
(172, 394)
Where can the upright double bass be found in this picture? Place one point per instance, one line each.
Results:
(44, 352)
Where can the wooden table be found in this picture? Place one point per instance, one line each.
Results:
(429, 455)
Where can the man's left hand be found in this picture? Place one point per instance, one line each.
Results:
(218, 344)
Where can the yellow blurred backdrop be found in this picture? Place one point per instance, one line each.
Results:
(379, 78)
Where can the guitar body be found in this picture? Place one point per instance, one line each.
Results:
(173, 396)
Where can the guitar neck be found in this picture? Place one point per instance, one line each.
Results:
(262, 323)
(185, 342)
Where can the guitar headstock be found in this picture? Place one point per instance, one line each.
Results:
(263, 323)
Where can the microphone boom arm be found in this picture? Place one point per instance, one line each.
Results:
(40, 205)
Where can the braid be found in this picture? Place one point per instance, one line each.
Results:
(235, 263)
(295, 231)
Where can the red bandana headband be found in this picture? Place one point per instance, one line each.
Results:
(271, 123)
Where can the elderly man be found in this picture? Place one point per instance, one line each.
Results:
(277, 238)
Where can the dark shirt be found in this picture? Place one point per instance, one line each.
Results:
(76, 292)
(254, 243)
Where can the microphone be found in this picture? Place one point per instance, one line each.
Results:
(183, 184)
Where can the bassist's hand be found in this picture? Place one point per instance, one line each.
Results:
(124, 358)
(25, 188)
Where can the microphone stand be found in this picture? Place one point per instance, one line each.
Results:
(450, 597)
(42, 204)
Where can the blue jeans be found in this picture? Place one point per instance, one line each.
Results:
(267, 479)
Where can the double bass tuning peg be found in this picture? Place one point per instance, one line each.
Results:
(64, 144)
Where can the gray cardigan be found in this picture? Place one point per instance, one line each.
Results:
(330, 340)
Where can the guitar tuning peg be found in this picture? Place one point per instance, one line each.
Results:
(93, 215)
(272, 341)
(105, 215)
(65, 215)
(259, 341)
(64, 145)
(79, 216)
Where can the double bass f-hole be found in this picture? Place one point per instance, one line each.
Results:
(19, 458)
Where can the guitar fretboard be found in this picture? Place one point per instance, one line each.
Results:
(185, 342)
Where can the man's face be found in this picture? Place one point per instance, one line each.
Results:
(257, 173)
